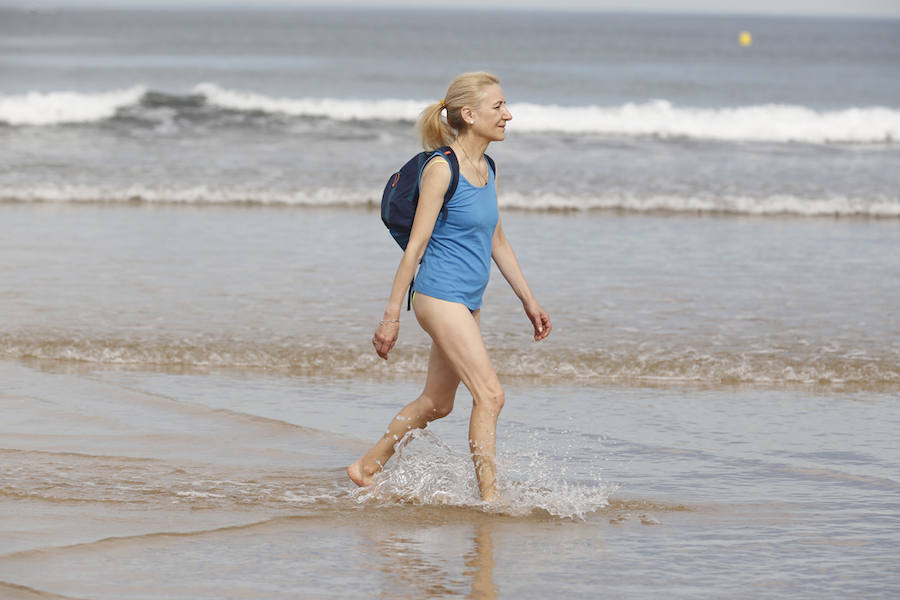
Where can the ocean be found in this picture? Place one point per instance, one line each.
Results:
(192, 265)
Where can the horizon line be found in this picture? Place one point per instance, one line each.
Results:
(235, 6)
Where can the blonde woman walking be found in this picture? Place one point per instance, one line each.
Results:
(455, 254)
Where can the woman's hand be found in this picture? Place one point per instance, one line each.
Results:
(385, 337)
(540, 319)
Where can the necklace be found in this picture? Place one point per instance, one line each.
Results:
(481, 178)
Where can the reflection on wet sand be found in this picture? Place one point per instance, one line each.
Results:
(480, 563)
(423, 562)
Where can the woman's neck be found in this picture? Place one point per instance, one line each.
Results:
(473, 146)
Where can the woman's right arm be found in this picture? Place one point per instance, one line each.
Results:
(435, 181)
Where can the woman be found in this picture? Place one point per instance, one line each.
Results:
(455, 255)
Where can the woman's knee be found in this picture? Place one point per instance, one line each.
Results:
(492, 398)
(437, 406)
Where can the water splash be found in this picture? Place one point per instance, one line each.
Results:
(427, 471)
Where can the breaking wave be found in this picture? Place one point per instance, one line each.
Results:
(758, 123)
(54, 108)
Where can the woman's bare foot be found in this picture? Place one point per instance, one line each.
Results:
(500, 503)
(357, 475)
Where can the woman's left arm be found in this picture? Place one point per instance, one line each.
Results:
(503, 255)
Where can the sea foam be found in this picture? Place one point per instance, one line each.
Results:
(330, 108)
(52, 108)
(771, 205)
(761, 123)
(659, 364)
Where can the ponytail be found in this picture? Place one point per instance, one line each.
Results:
(466, 90)
(433, 128)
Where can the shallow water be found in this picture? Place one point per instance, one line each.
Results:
(233, 486)
(634, 297)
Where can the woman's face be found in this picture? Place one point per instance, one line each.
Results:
(490, 117)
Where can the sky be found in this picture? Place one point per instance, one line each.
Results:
(859, 8)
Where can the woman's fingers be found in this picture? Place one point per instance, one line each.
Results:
(542, 325)
(547, 325)
(382, 348)
(385, 337)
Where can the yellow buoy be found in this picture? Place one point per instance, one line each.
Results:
(745, 38)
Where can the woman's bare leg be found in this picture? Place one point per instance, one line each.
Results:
(456, 332)
(436, 401)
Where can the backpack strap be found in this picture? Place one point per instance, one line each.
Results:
(491, 163)
(450, 156)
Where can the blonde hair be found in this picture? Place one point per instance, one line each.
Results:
(465, 90)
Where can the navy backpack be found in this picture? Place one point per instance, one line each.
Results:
(401, 196)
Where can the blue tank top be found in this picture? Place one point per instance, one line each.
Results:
(456, 265)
